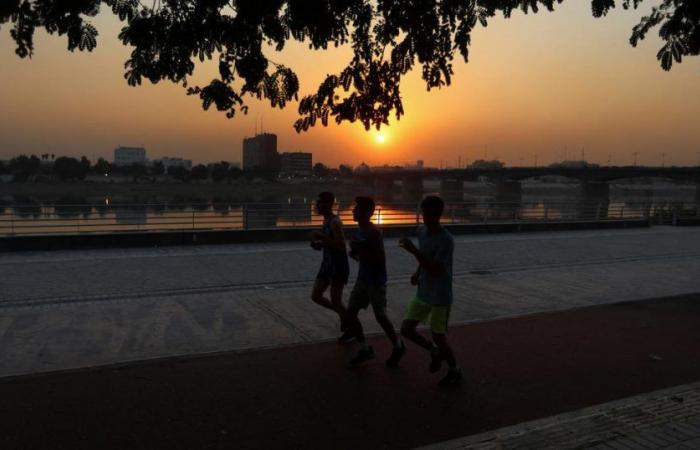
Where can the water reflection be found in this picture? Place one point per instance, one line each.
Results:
(23, 214)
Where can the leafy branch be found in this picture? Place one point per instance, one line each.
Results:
(389, 38)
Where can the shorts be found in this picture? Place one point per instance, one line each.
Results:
(364, 294)
(436, 316)
(332, 276)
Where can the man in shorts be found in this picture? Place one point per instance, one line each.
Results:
(434, 294)
(335, 269)
(367, 247)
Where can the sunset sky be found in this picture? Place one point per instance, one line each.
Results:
(534, 85)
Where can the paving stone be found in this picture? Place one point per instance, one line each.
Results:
(608, 426)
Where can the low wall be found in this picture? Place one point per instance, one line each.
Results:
(209, 237)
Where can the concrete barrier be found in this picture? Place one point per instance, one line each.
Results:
(210, 237)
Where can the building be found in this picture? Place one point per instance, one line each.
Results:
(175, 162)
(296, 164)
(419, 165)
(260, 152)
(127, 156)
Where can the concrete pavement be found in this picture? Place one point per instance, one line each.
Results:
(668, 418)
(68, 309)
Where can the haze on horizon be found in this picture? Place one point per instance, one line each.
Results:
(534, 84)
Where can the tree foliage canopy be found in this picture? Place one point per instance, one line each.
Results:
(388, 38)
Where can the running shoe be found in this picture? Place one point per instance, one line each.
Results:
(452, 377)
(396, 355)
(435, 360)
(347, 337)
(362, 356)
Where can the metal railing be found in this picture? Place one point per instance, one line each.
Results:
(83, 218)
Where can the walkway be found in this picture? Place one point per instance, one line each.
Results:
(669, 418)
(66, 309)
(517, 370)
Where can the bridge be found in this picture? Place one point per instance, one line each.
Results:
(594, 181)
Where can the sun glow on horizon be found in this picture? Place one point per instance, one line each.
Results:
(380, 138)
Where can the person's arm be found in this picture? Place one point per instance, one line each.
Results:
(336, 239)
(416, 276)
(372, 250)
(433, 267)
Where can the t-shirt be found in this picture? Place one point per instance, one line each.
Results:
(370, 239)
(439, 247)
(334, 259)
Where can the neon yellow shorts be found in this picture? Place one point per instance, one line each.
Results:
(436, 316)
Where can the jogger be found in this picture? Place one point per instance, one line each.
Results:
(367, 247)
(334, 270)
(433, 298)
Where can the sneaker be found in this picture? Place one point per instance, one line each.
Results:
(452, 377)
(347, 337)
(362, 356)
(396, 355)
(435, 361)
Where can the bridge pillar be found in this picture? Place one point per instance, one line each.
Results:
(508, 190)
(412, 187)
(452, 190)
(595, 200)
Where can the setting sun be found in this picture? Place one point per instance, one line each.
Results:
(380, 138)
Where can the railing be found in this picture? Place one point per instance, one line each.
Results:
(78, 219)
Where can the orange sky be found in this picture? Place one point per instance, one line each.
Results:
(535, 84)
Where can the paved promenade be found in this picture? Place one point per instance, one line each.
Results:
(669, 418)
(68, 309)
(304, 397)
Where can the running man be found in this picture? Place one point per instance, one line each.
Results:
(434, 294)
(335, 268)
(367, 247)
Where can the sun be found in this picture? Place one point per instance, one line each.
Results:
(380, 138)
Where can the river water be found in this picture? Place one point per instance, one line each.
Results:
(32, 215)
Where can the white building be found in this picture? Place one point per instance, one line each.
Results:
(127, 156)
(167, 162)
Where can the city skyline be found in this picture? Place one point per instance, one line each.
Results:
(528, 96)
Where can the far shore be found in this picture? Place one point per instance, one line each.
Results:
(280, 191)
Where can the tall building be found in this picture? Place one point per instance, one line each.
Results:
(296, 163)
(260, 152)
(126, 156)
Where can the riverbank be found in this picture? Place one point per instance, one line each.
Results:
(178, 192)
(346, 190)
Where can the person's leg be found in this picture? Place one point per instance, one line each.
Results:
(354, 324)
(337, 300)
(358, 300)
(438, 324)
(408, 330)
(377, 298)
(445, 349)
(388, 328)
(320, 286)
